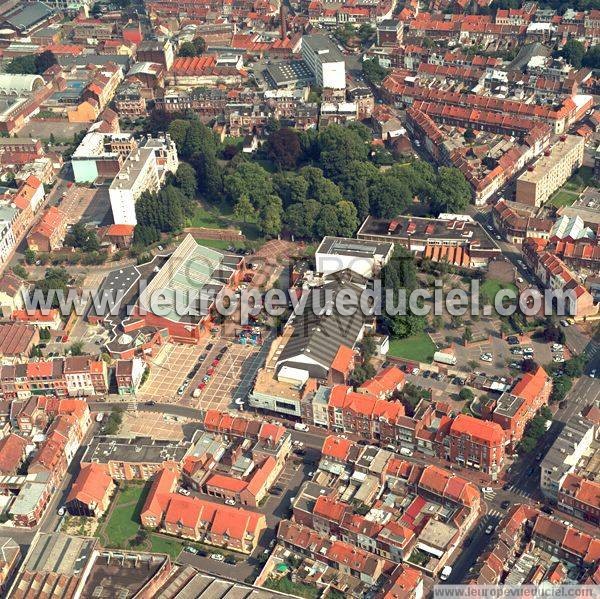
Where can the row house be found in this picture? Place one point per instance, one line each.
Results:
(581, 253)
(516, 223)
(473, 443)
(213, 523)
(129, 375)
(565, 542)
(51, 458)
(48, 234)
(74, 376)
(512, 411)
(348, 559)
(32, 500)
(580, 497)
(577, 301)
(395, 88)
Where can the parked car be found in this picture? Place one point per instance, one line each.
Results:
(487, 490)
(230, 502)
(61, 510)
(512, 340)
(190, 549)
(505, 504)
(489, 529)
(230, 560)
(547, 510)
(217, 557)
(183, 491)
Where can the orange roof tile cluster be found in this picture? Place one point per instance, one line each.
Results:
(12, 452)
(582, 489)
(25, 193)
(584, 546)
(365, 404)
(557, 269)
(337, 448)
(164, 483)
(404, 581)
(456, 255)
(49, 223)
(481, 431)
(396, 85)
(120, 230)
(530, 385)
(343, 360)
(521, 222)
(331, 509)
(446, 484)
(35, 315)
(91, 485)
(584, 250)
(385, 382)
(252, 486)
(217, 519)
(221, 422)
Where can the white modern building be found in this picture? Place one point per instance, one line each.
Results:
(365, 258)
(144, 170)
(325, 61)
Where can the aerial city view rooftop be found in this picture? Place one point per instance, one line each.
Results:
(299, 298)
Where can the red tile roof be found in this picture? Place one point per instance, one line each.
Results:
(531, 385)
(482, 431)
(336, 447)
(12, 451)
(92, 484)
(164, 483)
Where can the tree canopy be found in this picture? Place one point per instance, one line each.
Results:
(31, 64)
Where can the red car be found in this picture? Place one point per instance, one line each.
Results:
(201, 386)
(69, 184)
(215, 362)
(210, 371)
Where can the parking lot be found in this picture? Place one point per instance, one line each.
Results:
(168, 371)
(231, 378)
(84, 204)
(501, 355)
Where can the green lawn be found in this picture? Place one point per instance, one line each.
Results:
(563, 198)
(161, 544)
(285, 585)
(204, 218)
(572, 189)
(418, 347)
(124, 519)
(491, 287)
(218, 244)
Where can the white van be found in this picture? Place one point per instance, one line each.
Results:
(446, 571)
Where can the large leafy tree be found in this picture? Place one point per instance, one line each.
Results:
(290, 187)
(283, 148)
(338, 146)
(452, 192)
(388, 197)
(373, 71)
(249, 179)
(270, 216)
(185, 179)
(573, 52)
(83, 238)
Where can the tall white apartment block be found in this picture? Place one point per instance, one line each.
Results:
(144, 169)
(325, 61)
